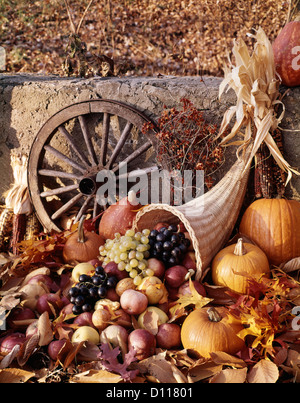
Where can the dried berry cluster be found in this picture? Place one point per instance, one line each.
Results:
(186, 141)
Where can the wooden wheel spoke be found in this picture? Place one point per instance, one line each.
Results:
(69, 138)
(87, 139)
(64, 158)
(58, 213)
(83, 208)
(59, 190)
(137, 153)
(96, 207)
(58, 174)
(120, 144)
(105, 133)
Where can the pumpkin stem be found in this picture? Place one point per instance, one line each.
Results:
(214, 315)
(81, 237)
(240, 249)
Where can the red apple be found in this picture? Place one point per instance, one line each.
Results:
(175, 276)
(143, 342)
(168, 335)
(157, 266)
(20, 318)
(10, 341)
(133, 302)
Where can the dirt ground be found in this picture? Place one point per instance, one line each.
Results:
(143, 37)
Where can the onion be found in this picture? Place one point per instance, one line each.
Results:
(31, 294)
(55, 347)
(45, 280)
(143, 342)
(117, 336)
(119, 217)
(175, 276)
(10, 341)
(20, 318)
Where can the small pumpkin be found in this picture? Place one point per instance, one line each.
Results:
(286, 49)
(233, 266)
(274, 226)
(82, 246)
(207, 330)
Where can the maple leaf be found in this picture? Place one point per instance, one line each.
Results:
(265, 313)
(109, 360)
(186, 300)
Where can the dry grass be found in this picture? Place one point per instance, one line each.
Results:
(145, 37)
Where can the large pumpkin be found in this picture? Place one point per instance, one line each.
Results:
(208, 330)
(233, 265)
(286, 48)
(274, 225)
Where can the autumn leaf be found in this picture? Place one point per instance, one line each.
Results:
(96, 376)
(109, 360)
(230, 375)
(161, 369)
(15, 375)
(264, 371)
(195, 299)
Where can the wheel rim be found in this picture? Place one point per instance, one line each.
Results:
(73, 146)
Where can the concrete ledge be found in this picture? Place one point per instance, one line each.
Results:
(27, 101)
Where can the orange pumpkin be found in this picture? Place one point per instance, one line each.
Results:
(286, 48)
(233, 266)
(208, 330)
(274, 226)
(82, 246)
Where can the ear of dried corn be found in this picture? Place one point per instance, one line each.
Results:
(33, 227)
(269, 181)
(6, 223)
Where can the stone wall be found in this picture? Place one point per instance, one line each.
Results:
(27, 101)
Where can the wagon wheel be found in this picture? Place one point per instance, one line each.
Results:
(73, 146)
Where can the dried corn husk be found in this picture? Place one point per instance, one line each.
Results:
(256, 84)
(17, 199)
